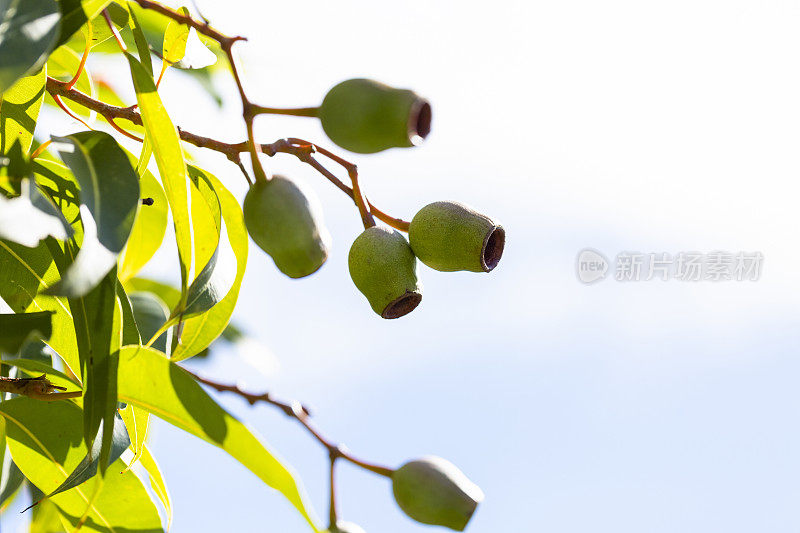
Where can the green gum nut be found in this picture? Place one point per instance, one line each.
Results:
(284, 219)
(433, 491)
(449, 236)
(345, 527)
(365, 116)
(384, 269)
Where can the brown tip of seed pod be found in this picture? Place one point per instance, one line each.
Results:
(403, 305)
(493, 248)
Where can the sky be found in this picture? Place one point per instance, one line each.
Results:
(625, 407)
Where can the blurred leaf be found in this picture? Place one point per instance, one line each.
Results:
(87, 468)
(45, 442)
(75, 14)
(98, 329)
(15, 329)
(45, 517)
(100, 31)
(148, 379)
(148, 229)
(109, 199)
(196, 55)
(169, 157)
(30, 217)
(175, 37)
(28, 33)
(19, 110)
(199, 332)
(157, 482)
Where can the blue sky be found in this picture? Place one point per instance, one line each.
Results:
(621, 125)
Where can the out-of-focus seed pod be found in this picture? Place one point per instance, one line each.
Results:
(434, 491)
(284, 219)
(366, 116)
(449, 236)
(384, 269)
(345, 527)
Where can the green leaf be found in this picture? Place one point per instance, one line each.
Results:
(30, 217)
(157, 482)
(45, 442)
(137, 421)
(175, 37)
(148, 229)
(169, 158)
(15, 329)
(37, 368)
(149, 380)
(166, 293)
(199, 332)
(97, 317)
(11, 481)
(19, 110)
(109, 199)
(151, 314)
(87, 468)
(25, 274)
(75, 14)
(141, 41)
(28, 32)
(130, 330)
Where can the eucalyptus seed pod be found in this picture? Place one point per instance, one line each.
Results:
(284, 219)
(365, 116)
(345, 527)
(449, 236)
(384, 269)
(433, 491)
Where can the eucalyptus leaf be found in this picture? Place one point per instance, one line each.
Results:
(15, 329)
(75, 13)
(150, 313)
(19, 110)
(149, 380)
(28, 33)
(169, 158)
(45, 442)
(175, 37)
(109, 200)
(30, 217)
(199, 332)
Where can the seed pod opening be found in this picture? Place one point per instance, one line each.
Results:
(434, 491)
(366, 116)
(383, 267)
(284, 219)
(449, 236)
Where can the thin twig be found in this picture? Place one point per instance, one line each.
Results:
(38, 388)
(301, 149)
(300, 413)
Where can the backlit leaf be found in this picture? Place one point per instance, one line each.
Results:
(28, 32)
(19, 110)
(148, 379)
(15, 329)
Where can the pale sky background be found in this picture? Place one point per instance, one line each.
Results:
(618, 125)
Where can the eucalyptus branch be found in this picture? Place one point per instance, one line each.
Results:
(301, 149)
(299, 412)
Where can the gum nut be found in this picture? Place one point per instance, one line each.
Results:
(366, 116)
(384, 269)
(284, 219)
(449, 236)
(433, 491)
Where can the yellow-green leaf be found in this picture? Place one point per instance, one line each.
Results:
(169, 158)
(19, 110)
(148, 379)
